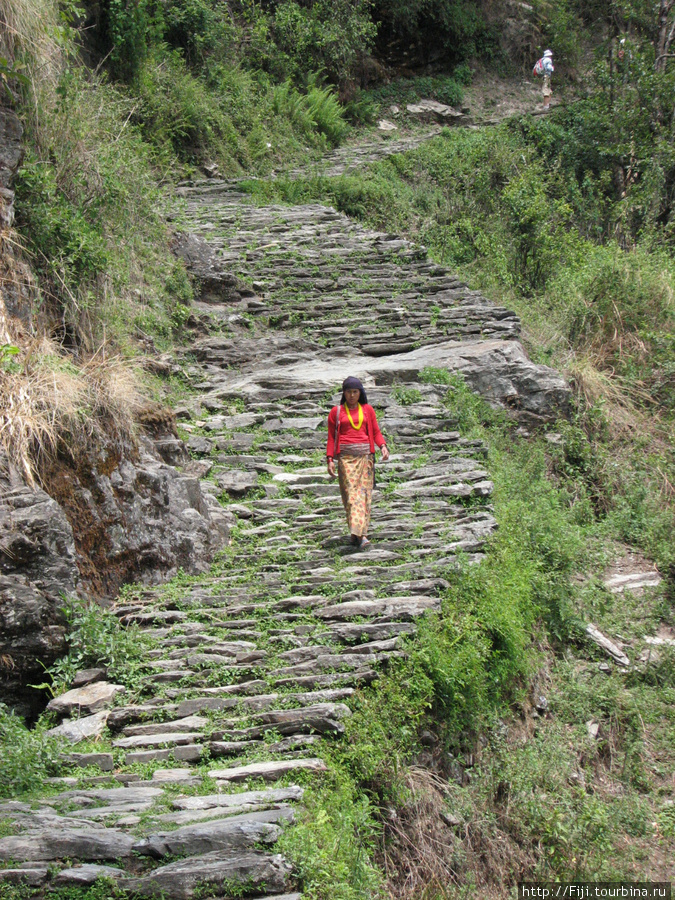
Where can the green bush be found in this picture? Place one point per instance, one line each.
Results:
(445, 89)
(89, 209)
(326, 35)
(96, 638)
(68, 243)
(325, 111)
(124, 31)
(331, 845)
(201, 29)
(26, 757)
(317, 111)
(456, 26)
(180, 115)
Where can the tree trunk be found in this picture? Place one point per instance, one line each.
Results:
(664, 34)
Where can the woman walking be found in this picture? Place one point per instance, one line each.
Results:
(353, 433)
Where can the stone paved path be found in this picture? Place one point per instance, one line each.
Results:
(253, 669)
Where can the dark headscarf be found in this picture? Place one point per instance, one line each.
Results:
(353, 383)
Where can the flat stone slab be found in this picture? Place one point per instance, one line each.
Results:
(116, 796)
(171, 738)
(33, 877)
(280, 812)
(102, 761)
(269, 771)
(216, 801)
(237, 833)
(394, 607)
(605, 644)
(87, 700)
(237, 483)
(282, 897)
(497, 369)
(67, 844)
(86, 676)
(635, 581)
(190, 878)
(87, 874)
(76, 730)
(176, 776)
(186, 724)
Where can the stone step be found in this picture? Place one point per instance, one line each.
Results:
(236, 833)
(267, 771)
(219, 870)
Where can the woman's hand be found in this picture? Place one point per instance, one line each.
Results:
(331, 468)
(385, 452)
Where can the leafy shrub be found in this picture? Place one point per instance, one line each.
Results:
(26, 757)
(180, 115)
(124, 31)
(331, 845)
(406, 396)
(89, 209)
(96, 638)
(361, 109)
(68, 243)
(316, 111)
(201, 29)
(445, 89)
(326, 112)
(326, 35)
(429, 375)
(456, 26)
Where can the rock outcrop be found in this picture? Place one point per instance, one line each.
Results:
(37, 566)
(135, 516)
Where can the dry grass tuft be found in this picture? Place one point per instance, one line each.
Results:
(28, 28)
(418, 848)
(425, 858)
(594, 383)
(50, 405)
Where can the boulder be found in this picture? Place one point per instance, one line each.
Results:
(237, 484)
(499, 370)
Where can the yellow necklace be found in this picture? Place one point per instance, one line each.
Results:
(356, 427)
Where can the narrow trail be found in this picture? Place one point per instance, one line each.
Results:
(253, 667)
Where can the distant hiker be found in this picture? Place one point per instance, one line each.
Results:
(544, 66)
(353, 433)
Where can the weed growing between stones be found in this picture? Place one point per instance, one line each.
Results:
(96, 638)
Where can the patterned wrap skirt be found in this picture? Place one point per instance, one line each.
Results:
(355, 473)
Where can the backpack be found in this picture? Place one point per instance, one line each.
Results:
(538, 67)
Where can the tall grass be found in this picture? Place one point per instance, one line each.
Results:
(28, 31)
(50, 405)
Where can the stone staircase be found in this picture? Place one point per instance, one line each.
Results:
(252, 669)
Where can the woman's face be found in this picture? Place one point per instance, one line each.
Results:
(352, 396)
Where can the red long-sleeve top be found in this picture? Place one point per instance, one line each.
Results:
(368, 433)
